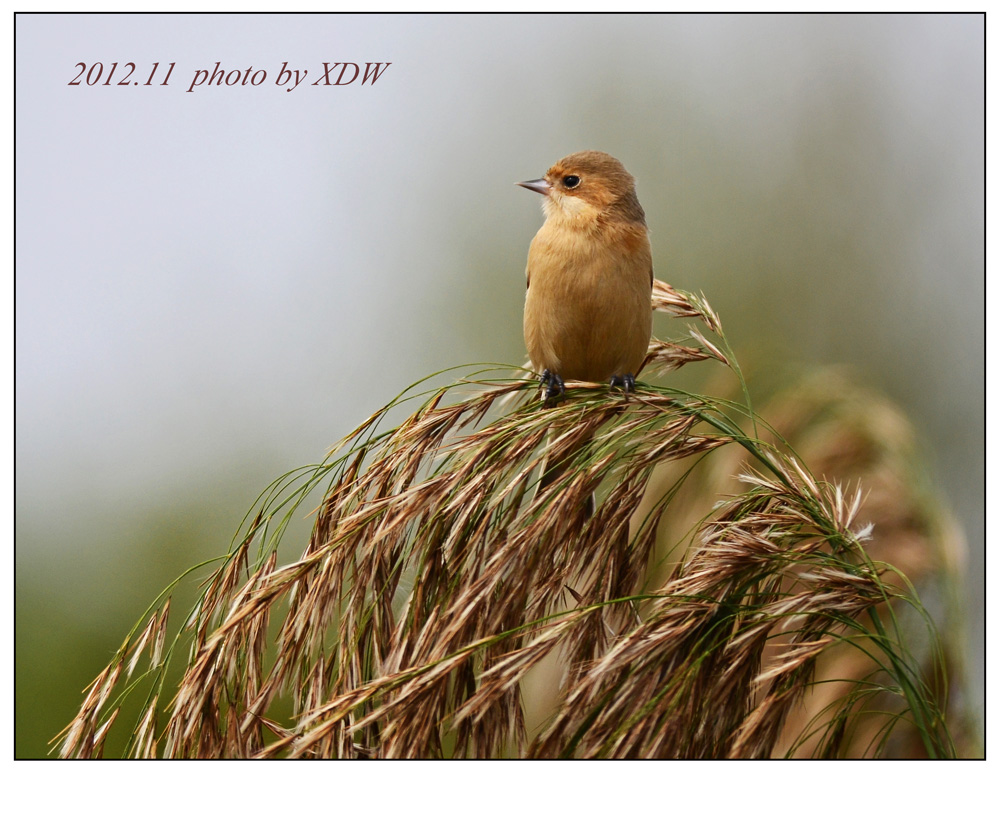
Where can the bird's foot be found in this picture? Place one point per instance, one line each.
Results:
(553, 385)
(624, 381)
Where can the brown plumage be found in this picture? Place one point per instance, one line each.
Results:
(587, 313)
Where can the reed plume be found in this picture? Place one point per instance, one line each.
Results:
(694, 610)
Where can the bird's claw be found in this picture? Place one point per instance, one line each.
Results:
(553, 385)
(624, 381)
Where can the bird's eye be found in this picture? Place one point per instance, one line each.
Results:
(571, 181)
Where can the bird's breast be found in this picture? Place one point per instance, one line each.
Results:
(587, 313)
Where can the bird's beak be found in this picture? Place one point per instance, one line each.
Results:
(538, 185)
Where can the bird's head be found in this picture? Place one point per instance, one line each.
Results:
(587, 188)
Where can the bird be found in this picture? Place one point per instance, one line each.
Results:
(588, 311)
(588, 305)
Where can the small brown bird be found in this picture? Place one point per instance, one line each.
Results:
(588, 312)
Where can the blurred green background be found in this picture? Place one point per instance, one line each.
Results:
(214, 287)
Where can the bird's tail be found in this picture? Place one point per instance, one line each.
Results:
(562, 458)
